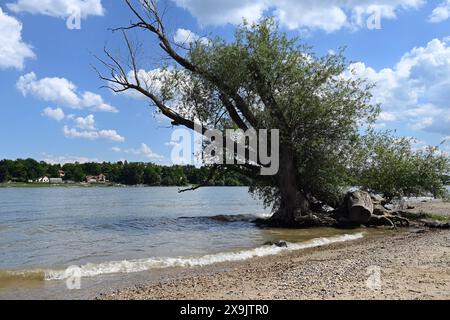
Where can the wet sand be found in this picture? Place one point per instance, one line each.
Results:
(413, 264)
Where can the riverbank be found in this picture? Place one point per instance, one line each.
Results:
(413, 265)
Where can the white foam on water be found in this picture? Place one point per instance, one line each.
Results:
(130, 266)
(263, 215)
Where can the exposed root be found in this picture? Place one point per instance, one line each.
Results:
(381, 220)
(306, 221)
(403, 221)
(388, 220)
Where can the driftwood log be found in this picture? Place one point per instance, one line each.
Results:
(360, 208)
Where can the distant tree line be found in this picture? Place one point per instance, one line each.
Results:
(127, 173)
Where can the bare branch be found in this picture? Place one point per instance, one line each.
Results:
(132, 54)
(211, 177)
(233, 113)
(158, 30)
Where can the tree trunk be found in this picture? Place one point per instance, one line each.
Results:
(360, 207)
(293, 204)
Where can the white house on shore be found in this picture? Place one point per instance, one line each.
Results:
(101, 178)
(44, 180)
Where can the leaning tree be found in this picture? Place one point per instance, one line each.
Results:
(263, 79)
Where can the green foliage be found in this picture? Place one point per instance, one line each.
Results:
(152, 175)
(446, 179)
(317, 110)
(173, 176)
(74, 172)
(392, 167)
(23, 170)
(132, 174)
(4, 172)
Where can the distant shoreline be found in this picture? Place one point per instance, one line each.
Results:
(24, 171)
(47, 185)
(94, 185)
(61, 185)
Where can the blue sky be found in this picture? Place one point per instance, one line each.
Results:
(53, 108)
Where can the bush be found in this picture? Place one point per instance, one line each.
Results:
(392, 167)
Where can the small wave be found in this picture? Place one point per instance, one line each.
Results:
(233, 218)
(130, 266)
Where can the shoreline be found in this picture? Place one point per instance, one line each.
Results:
(99, 185)
(413, 264)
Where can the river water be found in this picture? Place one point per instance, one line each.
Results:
(111, 232)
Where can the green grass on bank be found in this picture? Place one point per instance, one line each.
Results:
(415, 216)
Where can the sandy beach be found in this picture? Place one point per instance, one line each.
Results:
(412, 264)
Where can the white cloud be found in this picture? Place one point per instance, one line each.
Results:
(85, 127)
(62, 92)
(224, 11)
(144, 151)
(380, 125)
(13, 51)
(74, 133)
(110, 135)
(387, 116)
(441, 12)
(92, 134)
(87, 123)
(312, 15)
(327, 15)
(186, 37)
(148, 153)
(52, 159)
(416, 91)
(57, 90)
(55, 114)
(59, 8)
(151, 80)
(95, 102)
